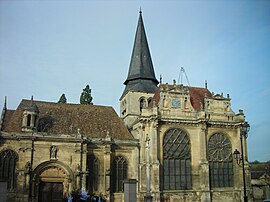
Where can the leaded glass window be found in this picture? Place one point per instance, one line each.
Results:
(176, 160)
(8, 161)
(93, 176)
(220, 161)
(119, 173)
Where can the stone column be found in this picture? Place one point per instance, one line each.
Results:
(153, 136)
(24, 121)
(203, 145)
(204, 166)
(70, 186)
(27, 170)
(148, 197)
(84, 164)
(107, 170)
(32, 124)
(154, 153)
(77, 172)
(142, 173)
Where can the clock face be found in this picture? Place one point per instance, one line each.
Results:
(175, 102)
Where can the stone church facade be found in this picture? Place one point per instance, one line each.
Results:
(176, 141)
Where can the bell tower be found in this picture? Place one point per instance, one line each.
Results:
(141, 82)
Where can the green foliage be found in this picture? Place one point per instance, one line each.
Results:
(256, 165)
(86, 97)
(62, 99)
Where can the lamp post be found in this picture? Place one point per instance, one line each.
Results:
(240, 156)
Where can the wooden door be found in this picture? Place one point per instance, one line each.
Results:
(50, 192)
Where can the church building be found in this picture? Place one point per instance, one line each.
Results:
(176, 142)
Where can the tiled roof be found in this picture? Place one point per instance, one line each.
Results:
(90, 120)
(197, 95)
(259, 169)
(8, 115)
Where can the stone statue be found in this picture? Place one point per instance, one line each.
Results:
(165, 102)
(27, 167)
(53, 152)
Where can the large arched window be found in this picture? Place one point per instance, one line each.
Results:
(119, 173)
(8, 160)
(176, 160)
(220, 161)
(93, 168)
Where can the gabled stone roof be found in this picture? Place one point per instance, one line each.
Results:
(197, 95)
(88, 120)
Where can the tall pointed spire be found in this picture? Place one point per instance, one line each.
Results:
(5, 104)
(141, 75)
(3, 113)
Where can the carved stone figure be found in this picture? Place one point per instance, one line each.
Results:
(27, 167)
(53, 152)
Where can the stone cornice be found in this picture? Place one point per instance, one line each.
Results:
(197, 122)
(222, 124)
(65, 139)
(127, 142)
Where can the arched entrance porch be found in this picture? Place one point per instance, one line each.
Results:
(51, 180)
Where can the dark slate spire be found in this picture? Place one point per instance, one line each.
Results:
(3, 113)
(141, 75)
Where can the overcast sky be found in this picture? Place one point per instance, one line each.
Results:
(50, 47)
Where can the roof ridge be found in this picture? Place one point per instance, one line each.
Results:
(71, 104)
(166, 84)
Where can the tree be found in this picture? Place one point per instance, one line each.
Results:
(86, 97)
(62, 99)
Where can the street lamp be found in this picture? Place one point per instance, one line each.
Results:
(240, 156)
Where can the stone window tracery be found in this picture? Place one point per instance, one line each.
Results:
(119, 173)
(8, 161)
(220, 161)
(176, 160)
